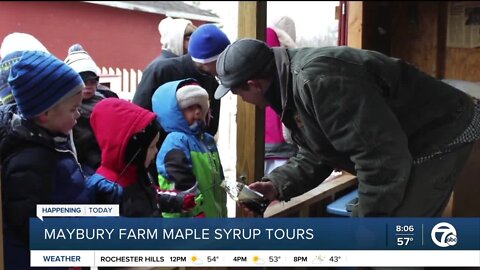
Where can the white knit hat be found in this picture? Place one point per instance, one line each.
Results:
(189, 95)
(81, 61)
(16, 42)
(172, 32)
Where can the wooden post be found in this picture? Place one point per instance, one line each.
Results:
(355, 24)
(252, 17)
(441, 40)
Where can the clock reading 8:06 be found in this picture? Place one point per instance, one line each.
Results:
(404, 228)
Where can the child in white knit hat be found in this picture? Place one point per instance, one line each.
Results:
(188, 161)
(10, 51)
(16, 42)
(88, 151)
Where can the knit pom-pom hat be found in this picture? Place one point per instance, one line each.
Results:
(193, 94)
(40, 81)
(207, 43)
(81, 61)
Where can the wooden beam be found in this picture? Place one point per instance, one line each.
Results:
(441, 40)
(302, 203)
(252, 18)
(355, 24)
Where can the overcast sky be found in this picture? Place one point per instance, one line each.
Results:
(312, 18)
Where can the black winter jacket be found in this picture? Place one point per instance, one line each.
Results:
(88, 151)
(365, 113)
(36, 169)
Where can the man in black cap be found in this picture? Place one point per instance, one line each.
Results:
(404, 134)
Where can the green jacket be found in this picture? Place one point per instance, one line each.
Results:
(365, 113)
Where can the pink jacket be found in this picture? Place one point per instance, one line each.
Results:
(275, 145)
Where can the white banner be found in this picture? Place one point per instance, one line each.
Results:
(249, 258)
(77, 210)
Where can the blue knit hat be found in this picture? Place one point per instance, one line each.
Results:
(40, 81)
(206, 43)
(6, 64)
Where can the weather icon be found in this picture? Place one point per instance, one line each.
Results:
(258, 260)
(196, 260)
(318, 259)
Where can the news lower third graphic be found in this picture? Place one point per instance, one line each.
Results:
(95, 236)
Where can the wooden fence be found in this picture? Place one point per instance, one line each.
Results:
(122, 81)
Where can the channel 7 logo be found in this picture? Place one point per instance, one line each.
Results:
(447, 234)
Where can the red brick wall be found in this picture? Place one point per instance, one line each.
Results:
(114, 37)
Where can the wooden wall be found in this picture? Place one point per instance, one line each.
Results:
(376, 35)
(463, 64)
(416, 32)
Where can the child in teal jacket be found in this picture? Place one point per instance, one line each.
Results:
(188, 161)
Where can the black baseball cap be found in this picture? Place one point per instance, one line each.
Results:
(240, 61)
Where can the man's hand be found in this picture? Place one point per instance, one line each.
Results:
(266, 188)
(269, 192)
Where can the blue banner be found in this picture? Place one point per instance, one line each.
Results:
(118, 233)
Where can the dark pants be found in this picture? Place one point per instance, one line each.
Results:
(431, 184)
(429, 189)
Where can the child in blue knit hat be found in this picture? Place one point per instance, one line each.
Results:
(10, 52)
(38, 164)
(210, 42)
(206, 43)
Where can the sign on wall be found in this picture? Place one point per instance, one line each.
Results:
(463, 29)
